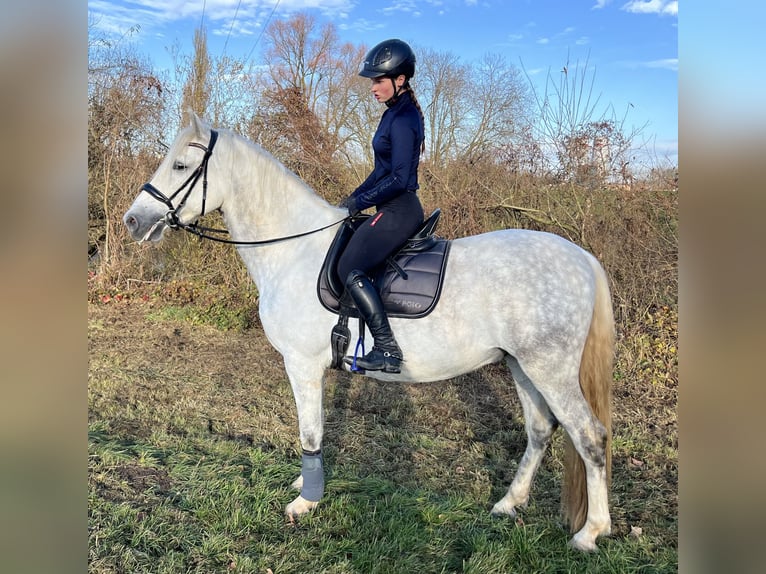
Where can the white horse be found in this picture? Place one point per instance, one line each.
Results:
(532, 299)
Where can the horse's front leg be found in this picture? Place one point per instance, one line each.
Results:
(308, 393)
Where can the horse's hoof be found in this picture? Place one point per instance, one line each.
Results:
(583, 546)
(299, 507)
(503, 508)
(583, 543)
(585, 538)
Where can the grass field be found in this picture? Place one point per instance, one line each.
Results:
(193, 445)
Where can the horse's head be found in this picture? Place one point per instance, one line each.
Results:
(177, 193)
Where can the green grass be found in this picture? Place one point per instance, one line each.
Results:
(216, 314)
(173, 504)
(193, 445)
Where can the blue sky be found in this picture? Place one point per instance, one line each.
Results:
(630, 45)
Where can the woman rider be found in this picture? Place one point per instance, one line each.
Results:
(390, 188)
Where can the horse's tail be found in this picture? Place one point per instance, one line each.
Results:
(596, 384)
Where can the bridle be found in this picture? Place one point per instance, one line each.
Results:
(172, 221)
(171, 217)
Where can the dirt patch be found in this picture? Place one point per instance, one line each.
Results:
(148, 375)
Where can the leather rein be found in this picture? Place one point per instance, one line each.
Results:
(171, 217)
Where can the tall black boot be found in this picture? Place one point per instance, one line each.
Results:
(385, 355)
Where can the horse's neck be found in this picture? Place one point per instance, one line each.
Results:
(267, 201)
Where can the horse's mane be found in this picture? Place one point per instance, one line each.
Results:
(281, 187)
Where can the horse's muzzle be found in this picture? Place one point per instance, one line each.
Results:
(142, 228)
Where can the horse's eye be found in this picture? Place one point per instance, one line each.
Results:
(179, 165)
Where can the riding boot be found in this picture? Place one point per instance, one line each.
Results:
(385, 355)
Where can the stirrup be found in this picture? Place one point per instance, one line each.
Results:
(378, 360)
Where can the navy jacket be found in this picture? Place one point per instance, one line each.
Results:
(396, 144)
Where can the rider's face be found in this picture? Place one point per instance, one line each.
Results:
(383, 88)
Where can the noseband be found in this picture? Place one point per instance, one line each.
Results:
(171, 217)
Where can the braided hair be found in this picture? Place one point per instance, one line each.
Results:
(408, 88)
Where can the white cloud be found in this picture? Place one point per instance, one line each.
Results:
(237, 28)
(406, 6)
(644, 6)
(652, 7)
(662, 64)
(666, 63)
(117, 16)
(362, 25)
(671, 8)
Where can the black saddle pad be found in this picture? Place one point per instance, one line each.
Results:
(409, 287)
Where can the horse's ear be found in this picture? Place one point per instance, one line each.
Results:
(196, 124)
(199, 125)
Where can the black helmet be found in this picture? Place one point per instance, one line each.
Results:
(390, 58)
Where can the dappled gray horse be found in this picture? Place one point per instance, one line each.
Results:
(534, 300)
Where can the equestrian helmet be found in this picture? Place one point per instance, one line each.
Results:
(390, 58)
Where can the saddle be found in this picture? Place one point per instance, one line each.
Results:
(409, 282)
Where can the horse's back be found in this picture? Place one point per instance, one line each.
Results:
(527, 283)
(534, 259)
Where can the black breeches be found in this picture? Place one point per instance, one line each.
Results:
(382, 235)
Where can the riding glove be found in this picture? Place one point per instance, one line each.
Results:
(350, 204)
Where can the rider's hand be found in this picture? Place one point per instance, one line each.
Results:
(350, 204)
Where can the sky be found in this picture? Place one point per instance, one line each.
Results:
(629, 47)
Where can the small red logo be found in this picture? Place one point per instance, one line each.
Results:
(377, 217)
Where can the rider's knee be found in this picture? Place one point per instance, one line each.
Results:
(353, 276)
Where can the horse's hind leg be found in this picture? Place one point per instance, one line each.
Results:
(540, 424)
(544, 404)
(586, 493)
(589, 438)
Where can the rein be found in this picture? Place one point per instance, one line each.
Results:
(171, 217)
(200, 232)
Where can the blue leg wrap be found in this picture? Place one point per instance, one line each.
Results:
(312, 470)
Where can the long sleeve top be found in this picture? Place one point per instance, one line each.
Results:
(396, 147)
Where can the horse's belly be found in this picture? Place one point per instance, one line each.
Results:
(455, 362)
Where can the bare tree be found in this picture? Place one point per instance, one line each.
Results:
(442, 82)
(312, 99)
(497, 107)
(233, 82)
(197, 90)
(125, 100)
(471, 109)
(580, 142)
(222, 89)
(298, 54)
(349, 111)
